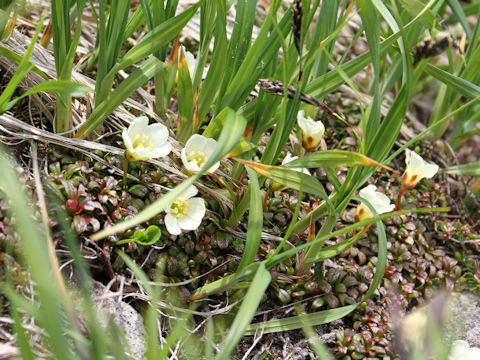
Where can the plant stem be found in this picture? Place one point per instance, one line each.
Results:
(125, 171)
(400, 195)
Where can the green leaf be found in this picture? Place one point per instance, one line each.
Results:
(291, 179)
(255, 221)
(65, 87)
(158, 37)
(470, 169)
(185, 97)
(332, 158)
(17, 59)
(462, 19)
(211, 85)
(23, 69)
(136, 79)
(456, 83)
(246, 312)
(296, 322)
(329, 82)
(148, 237)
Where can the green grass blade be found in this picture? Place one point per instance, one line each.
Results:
(316, 344)
(158, 37)
(371, 25)
(17, 59)
(185, 97)
(24, 67)
(239, 40)
(246, 312)
(470, 169)
(332, 80)
(258, 56)
(65, 87)
(332, 158)
(34, 250)
(21, 337)
(227, 282)
(211, 85)
(462, 19)
(456, 83)
(136, 79)
(292, 179)
(381, 261)
(296, 322)
(110, 36)
(255, 221)
(231, 134)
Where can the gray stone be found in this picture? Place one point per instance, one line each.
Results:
(466, 308)
(125, 316)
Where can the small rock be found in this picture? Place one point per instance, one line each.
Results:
(125, 316)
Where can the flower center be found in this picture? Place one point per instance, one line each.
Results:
(142, 141)
(198, 157)
(179, 208)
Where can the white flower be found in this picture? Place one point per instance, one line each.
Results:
(312, 131)
(145, 141)
(185, 213)
(196, 152)
(379, 201)
(462, 351)
(416, 169)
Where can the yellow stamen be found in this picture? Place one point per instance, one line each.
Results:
(198, 157)
(179, 208)
(142, 141)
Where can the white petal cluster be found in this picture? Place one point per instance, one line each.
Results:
(144, 141)
(312, 131)
(196, 152)
(185, 213)
(380, 202)
(416, 169)
(461, 350)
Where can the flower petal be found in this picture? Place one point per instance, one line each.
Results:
(379, 201)
(188, 223)
(162, 150)
(137, 126)
(196, 142)
(127, 141)
(197, 208)
(158, 133)
(189, 193)
(141, 153)
(171, 222)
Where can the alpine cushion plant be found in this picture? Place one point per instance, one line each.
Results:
(185, 212)
(196, 152)
(312, 131)
(379, 201)
(143, 141)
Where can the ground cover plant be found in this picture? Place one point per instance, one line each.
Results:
(258, 179)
